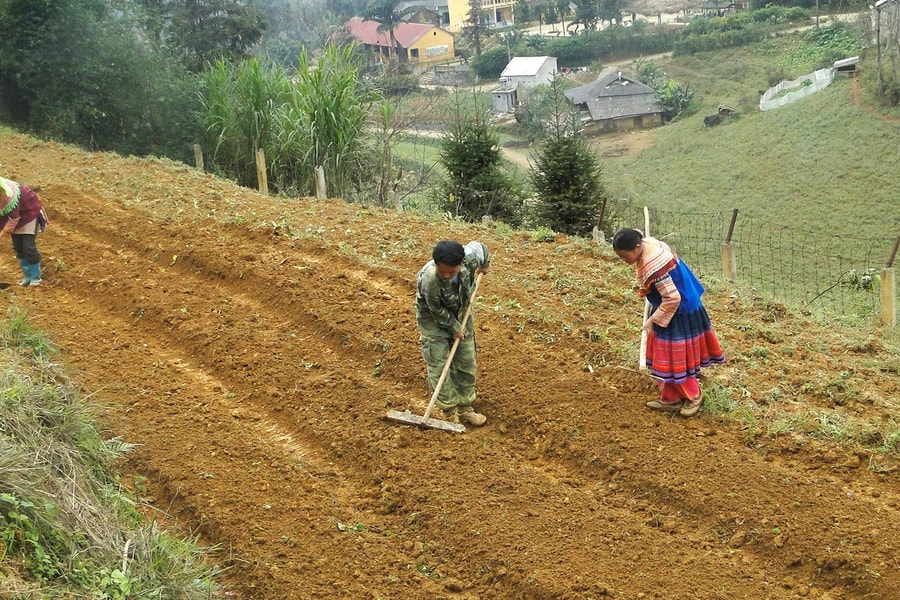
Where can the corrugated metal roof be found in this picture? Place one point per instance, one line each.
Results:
(525, 66)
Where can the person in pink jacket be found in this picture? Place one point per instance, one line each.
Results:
(22, 218)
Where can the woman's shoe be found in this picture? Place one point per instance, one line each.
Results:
(665, 406)
(691, 407)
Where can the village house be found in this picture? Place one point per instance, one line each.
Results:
(427, 11)
(417, 43)
(496, 13)
(614, 102)
(520, 75)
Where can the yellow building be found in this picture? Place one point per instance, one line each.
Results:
(417, 43)
(496, 12)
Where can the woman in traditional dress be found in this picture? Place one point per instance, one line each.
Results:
(680, 338)
(22, 217)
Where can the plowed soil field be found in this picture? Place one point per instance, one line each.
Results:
(251, 347)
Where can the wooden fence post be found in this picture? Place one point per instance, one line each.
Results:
(261, 171)
(198, 157)
(597, 232)
(321, 193)
(889, 291)
(729, 262)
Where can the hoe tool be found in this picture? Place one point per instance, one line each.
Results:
(407, 417)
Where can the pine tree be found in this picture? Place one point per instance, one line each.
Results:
(476, 184)
(566, 173)
(475, 31)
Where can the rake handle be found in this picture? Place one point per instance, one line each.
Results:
(642, 358)
(440, 383)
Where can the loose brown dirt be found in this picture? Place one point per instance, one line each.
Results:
(251, 347)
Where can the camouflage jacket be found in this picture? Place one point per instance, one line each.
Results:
(441, 303)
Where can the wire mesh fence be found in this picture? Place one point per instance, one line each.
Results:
(837, 273)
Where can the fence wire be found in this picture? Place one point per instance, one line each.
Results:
(836, 273)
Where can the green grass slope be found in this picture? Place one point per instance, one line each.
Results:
(822, 164)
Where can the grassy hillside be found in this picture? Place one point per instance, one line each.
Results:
(821, 156)
(830, 154)
(814, 181)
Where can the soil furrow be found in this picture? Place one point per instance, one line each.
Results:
(251, 347)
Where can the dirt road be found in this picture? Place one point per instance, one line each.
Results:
(251, 346)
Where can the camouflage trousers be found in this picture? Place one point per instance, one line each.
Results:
(458, 390)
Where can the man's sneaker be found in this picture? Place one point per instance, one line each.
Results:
(35, 282)
(665, 406)
(470, 417)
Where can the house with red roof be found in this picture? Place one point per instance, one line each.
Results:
(417, 43)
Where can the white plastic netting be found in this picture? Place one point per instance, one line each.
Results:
(791, 91)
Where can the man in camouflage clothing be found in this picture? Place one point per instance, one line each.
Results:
(443, 290)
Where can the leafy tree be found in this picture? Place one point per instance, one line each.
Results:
(547, 11)
(565, 175)
(81, 72)
(676, 98)
(539, 11)
(535, 42)
(389, 14)
(294, 25)
(346, 8)
(562, 9)
(611, 10)
(533, 115)
(648, 72)
(522, 11)
(476, 184)
(202, 31)
(490, 63)
(587, 13)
